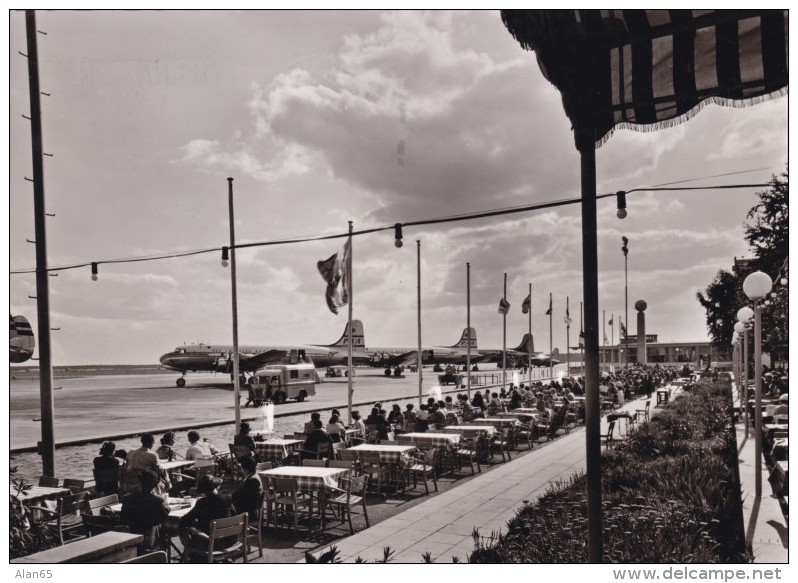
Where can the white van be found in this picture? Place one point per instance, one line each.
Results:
(283, 381)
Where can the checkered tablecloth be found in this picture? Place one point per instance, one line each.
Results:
(309, 478)
(38, 493)
(497, 422)
(516, 414)
(470, 431)
(277, 448)
(389, 454)
(433, 439)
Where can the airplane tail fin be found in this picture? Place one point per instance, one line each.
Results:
(527, 344)
(358, 338)
(463, 342)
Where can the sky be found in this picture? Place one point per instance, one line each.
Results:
(325, 117)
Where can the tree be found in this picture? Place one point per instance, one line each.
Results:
(767, 232)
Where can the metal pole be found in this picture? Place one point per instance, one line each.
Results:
(420, 355)
(626, 308)
(529, 343)
(47, 445)
(612, 339)
(745, 380)
(236, 382)
(581, 340)
(758, 396)
(551, 334)
(468, 326)
(504, 338)
(604, 340)
(568, 335)
(350, 297)
(586, 146)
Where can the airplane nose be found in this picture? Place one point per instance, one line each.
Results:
(165, 359)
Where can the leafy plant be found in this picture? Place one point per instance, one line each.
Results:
(26, 536)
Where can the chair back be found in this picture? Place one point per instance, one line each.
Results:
(74, 485)
(71, 504)
(285, 486)
(348, 455)
(610, 430)
(323, 450)
(235, 526)
(48, 481)
(98, 503)
(315, 463)
(346, 465)
(156, 558)
(336, 449)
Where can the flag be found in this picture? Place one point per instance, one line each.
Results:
(582, 339)
(548, 312)
(610, 322)
(567, 318)
(525, 307)
(334, 272)
(504, 306)
(623, 328)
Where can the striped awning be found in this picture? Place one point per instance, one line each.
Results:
(647, 69)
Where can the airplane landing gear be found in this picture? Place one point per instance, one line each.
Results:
(181, 382)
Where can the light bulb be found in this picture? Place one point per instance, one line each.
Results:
(94, 277)
(621, 214)
(224, 262)
(398, 243)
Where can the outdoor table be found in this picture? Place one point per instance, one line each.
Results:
(175, 465)
(625, 415)
(516, 414)
(468, 430)
(389, 454)
(779, 479)
(780, 450)
(309, 478)
(178, 508)
(38, 493)
(431, 439)
(108, 547)
(498, 422)
(663, 396)
(277, 448)
(768, 433)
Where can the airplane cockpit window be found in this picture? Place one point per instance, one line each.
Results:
(180, 350)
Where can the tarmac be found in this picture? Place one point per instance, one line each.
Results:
(444, 525)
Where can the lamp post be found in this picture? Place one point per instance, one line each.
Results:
(757, 286)
(625, 249)
(236, 383)
(741, 330)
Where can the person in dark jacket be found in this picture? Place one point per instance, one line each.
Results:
(246, 496)
(195, 526)
(478, 401)
(107, 461)
(377, 418)
(144, 511)
(318, 436)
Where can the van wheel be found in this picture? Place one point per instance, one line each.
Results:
(181, 382)
(387, 372)
(279, 398)
(301, 397)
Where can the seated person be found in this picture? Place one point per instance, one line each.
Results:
(144, 511)
(358, 423)
(143, 459)
(515, 399)
(395, 416)
(336, 429)
(377, 418)
(318, 436)
(422, 419)
(107, 461)
(409, 418)
(310, 425)
(246, 495)
(195, 526)
(245, 439)
(165, 451)
(438, 417)
(477, 402)
(199, 449)
(495, 405)
(449, 403)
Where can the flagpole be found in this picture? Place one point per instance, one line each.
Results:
(236, 383)
(551, 329)
(612, 337)
(468, 327)
(529, 342)
(504, 338)
(568, 335)
(420, 359)
(604, 339)
(350, 373)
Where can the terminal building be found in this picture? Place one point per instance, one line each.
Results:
(697, 354)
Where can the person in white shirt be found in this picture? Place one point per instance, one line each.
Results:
(199, 449)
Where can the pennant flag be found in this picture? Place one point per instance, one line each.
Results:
(504, 306)
(610, 322)
(567, 318)
(582, 339)
(548, 312)
(525, 307)
(334, 272)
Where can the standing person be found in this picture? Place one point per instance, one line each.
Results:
(246, 495)
(144, 512)
(195, 526)
(107, 461)
(199, 449)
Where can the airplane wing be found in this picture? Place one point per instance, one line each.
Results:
(258, 361)
(407, 358)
